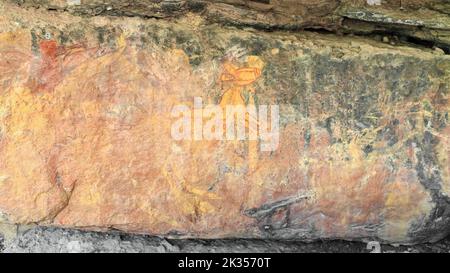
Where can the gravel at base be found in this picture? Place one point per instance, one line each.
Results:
(55, 240)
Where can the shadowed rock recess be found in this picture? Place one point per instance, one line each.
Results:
(87, 89)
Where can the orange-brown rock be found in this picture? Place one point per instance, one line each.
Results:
(85, 130)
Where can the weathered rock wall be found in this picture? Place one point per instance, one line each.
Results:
(85, 119)
(426, 21)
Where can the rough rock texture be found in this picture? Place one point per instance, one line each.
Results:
(85, 125)
(425, 21)
(55, 240)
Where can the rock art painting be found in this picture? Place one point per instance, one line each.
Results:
(85, 131)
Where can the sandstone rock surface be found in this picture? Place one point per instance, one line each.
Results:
(85, 129)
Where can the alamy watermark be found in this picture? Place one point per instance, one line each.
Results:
(227, 123)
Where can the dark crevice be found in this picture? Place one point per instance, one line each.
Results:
(261, 1)
(429, 44)
(396, 37)
(401, 34)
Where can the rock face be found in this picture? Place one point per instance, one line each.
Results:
(423, 20)
(86, 124)
(56, 240)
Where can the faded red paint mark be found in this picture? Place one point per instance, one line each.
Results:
(48, 72)
(48, 50)
(54, 62)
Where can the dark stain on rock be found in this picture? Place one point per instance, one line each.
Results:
(34, 42)
(428, 172)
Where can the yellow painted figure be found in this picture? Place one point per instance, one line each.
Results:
(237, 80)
